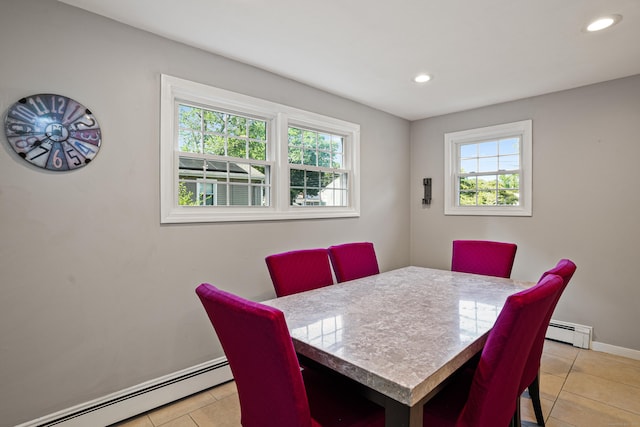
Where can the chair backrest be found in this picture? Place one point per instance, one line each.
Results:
(483, 257)
(353, 260)
(565, 269)
(299, 271)
(260, 352)
(495, 387)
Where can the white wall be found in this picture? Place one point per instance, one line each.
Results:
(95, 295)
(586, 154)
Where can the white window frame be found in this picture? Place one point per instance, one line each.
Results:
(278, 116)
(452, 140)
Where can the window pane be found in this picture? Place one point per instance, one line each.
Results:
(239, 172)
(328, 179)
(312, 180)
(337, 143)
(324, 159)
(467, 198)
(221, 196)
(257, 150)
(295, 156)
(468, 166)
(259, 196)
(187, 193)
(190, 117)
(213, 121)
(214, 144)
(468, 184)
(469, 150)
(189, 141)
(338, 161)
(324, 142)
(509, 181)
(258, 130)
(309, 139)
(236, 125)
(509, 162)
(258, 174)
(205, 194)
(295, 137)
(238, 195)
(487, 164)
(510, 146)
(191, 168)
(488, 148)
(509, 197)
(296, 178)
(486, 198)
(489, 182)
(309, 157)
(237, 148)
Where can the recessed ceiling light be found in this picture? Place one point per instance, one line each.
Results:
(603, 22)
(422, 78)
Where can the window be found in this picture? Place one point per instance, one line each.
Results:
(231, 157)
(488, 170)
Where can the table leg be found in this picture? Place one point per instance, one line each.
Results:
(399, 415)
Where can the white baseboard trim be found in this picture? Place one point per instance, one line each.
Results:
(613, 349)
(141, 398)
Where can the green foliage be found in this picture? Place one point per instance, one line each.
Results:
(313, 148)
(501, 190)
(221, 134)
(186, 197)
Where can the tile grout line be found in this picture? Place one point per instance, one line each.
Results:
(573, 362)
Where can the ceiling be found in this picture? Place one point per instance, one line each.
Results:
(478, 52)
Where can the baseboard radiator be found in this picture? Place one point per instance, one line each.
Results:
(135, 400)
(570, 333)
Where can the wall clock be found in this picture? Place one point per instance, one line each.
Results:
(53, 132)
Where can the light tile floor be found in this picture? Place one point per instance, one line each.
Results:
(581, 388)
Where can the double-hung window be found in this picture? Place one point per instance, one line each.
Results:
(488, 170)
(231, 157)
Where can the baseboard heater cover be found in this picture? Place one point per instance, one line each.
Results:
(570, 333)
(141, 398)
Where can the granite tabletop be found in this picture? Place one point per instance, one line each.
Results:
(401, 332)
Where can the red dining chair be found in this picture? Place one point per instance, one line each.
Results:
(272, 389)
(531, 378)
(299, 271)
(353, 260)
(483, 257)
(490, 397)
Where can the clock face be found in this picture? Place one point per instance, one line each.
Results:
(53, 132)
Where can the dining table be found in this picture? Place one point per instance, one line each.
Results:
(398, 335)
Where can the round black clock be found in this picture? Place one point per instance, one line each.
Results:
(53, 132)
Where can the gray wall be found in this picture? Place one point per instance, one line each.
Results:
(95, 295)
(586, 153)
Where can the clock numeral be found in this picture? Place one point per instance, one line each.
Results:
(82, 148)
(57, 160)
(40, 107)
(73, 114)
(19, 128)
(24, 113)
(85, 124)
(62, 104)
(71, 153)
(44, 149)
